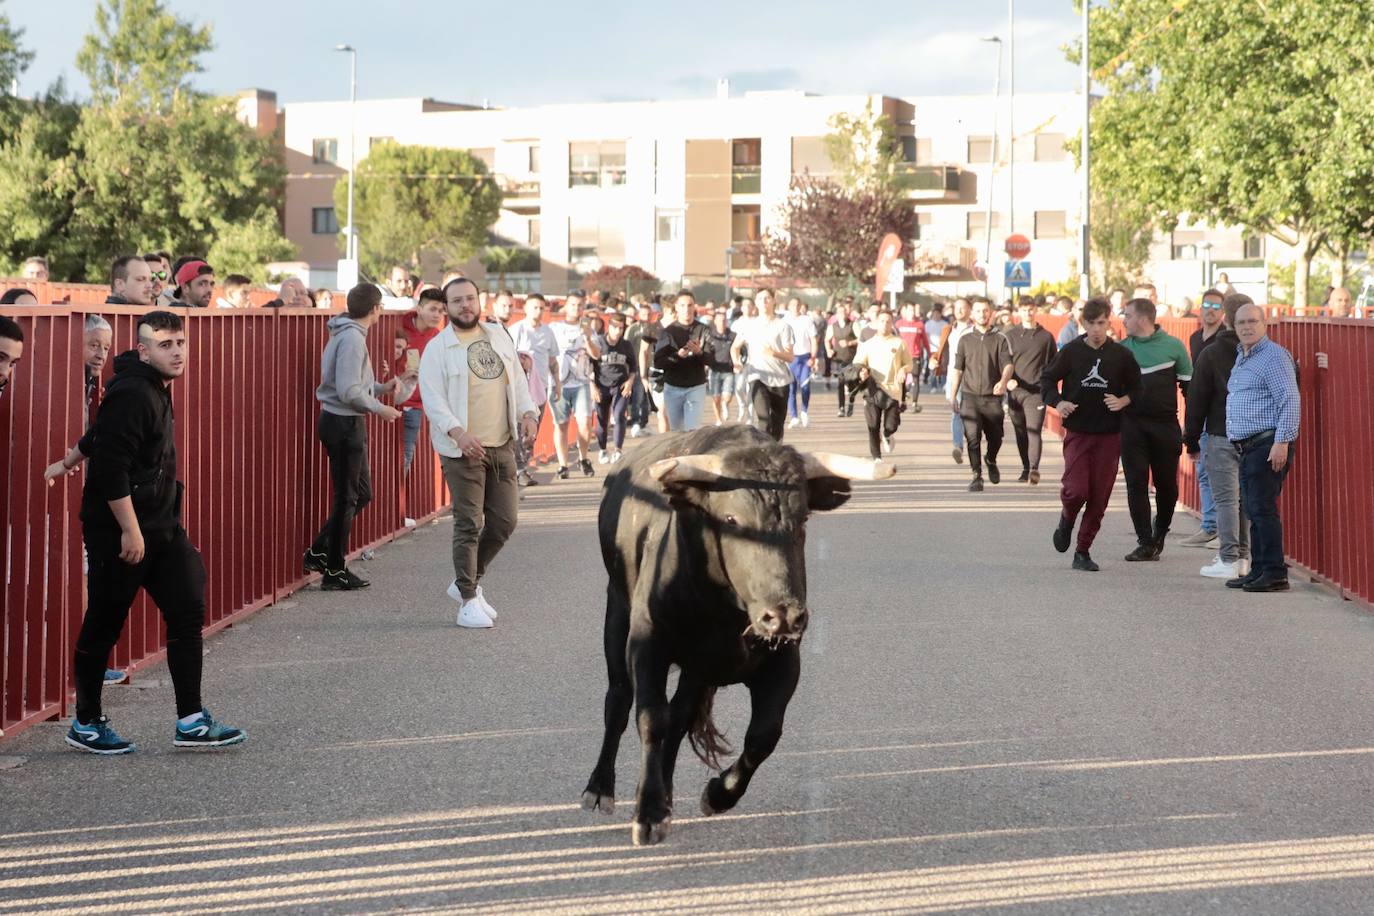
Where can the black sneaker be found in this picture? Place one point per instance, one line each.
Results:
(1143, 553)
(849, 411)
(1062, 534)
(976, 485)
(587, 469)
(994, 475)
(562, 472)
(1025, 476)
(313, 562)
(1244, 580)
(1082, 561)
(1267, 584)
(342, 581)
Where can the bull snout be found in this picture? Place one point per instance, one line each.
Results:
(784, 621)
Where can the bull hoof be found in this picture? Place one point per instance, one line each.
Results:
(594, 802)
(649, 834)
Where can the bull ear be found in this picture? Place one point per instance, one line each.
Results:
(687, 469)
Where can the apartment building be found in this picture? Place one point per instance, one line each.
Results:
(674, 186)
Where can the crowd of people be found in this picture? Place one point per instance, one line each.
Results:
(608, 368)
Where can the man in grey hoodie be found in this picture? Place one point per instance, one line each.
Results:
(348, 392)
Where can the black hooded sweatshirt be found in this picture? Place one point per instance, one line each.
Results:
(1206, 404)
(132, 449)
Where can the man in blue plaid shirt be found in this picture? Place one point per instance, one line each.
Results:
(1262, 416)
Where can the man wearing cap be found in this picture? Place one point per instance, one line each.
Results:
(195, 282)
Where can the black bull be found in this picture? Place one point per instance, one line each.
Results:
(704, 535)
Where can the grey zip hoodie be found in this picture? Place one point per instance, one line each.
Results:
(347, 385)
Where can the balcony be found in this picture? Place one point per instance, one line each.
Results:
(516, 189)
(929, 182)
(746, 179)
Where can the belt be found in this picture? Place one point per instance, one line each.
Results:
(1242, 444)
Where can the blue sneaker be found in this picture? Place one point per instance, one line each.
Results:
(115, 676)
(97, 738)
(206, 732)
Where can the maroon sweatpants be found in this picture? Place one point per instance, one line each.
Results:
(1090, 461)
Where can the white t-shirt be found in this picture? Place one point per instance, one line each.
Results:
(803, 334)
(759, 334)
(539, 343)
(574, 363)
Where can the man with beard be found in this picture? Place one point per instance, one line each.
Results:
(478, 402)
(131, 518)
(982, 368)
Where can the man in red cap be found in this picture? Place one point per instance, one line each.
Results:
(195, 282)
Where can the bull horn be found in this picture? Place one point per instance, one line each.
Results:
(830, 464)
(686, 469)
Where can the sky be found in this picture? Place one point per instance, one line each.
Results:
(550, 51)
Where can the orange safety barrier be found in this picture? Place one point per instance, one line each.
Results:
(1327, 504)
(257, 482)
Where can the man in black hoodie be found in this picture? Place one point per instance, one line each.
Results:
(131, 523)
(1100, 379)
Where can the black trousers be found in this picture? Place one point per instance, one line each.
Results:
(770, 407)
(173, 574)
(883, 413)
(982, 416)
(1027, 420)
(1150, 448)
(846, 390)
(345, 441)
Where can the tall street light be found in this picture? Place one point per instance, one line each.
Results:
(992, 169)
(352, 247)
(1085, 280)
(1011, 124)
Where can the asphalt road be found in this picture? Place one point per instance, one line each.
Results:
(977, 727)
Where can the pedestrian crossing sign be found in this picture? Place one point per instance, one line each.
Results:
(1017, 275)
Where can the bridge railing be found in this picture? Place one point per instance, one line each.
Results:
(257, 481)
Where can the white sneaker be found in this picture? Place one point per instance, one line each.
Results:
(473, 616)
(603, 458)
(889, 443)
(793, 423)
(616, 456)
(805, 419)
(458, 596)
(635, 431)
(408, 522)
(1220, 569)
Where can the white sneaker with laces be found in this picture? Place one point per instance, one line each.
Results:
(408, 522)
(616, 456)
(1220, 569)
(486, 605)
(473, 616)
(793, 423)
(635, 431)
(805, 419)
(603, 458)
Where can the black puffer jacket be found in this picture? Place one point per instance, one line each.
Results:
(1207, 392)
(132, 447)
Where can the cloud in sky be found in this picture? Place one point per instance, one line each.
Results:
(544, 51)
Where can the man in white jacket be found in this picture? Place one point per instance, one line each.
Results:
(478, 402)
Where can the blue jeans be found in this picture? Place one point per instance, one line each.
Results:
(410, 418)
(1204, 488)
(1260, 486)
(799, 393)
(956, 425)
(684, 406)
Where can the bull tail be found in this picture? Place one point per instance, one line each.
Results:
(708, 742)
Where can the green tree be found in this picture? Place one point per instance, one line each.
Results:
(502, 260)
(36, 206)
(1121, 237)
(14, 60)
(1239, 113)
(142, 56)
(863, 149)
(413, 199)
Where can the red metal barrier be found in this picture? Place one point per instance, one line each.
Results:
(257, 485)
(1327, 505)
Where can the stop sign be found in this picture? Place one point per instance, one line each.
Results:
(1017, 247)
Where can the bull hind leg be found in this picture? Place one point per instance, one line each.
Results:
(770, 690)
(600, 792)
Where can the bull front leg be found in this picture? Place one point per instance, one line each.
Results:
(689, 695)
(649, 673)
(770, 690)
(600, 792)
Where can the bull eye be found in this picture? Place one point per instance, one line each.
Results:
(732, 521)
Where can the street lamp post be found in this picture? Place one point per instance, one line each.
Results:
(992, 169)
(729, 254)
(1085, 279)
(352, 248)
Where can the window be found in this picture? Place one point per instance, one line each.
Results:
(1254, 247)
(325, 150)
(592, 164)
(532, 233)
(1050, 148)
(746, 231)
(533, 162)
(1183, 245)
(925, 154)
(978, 224)
(592, 244)
(323, 221)
(669, 227)
(979, 149)
(1049, 224)
(908, 149)
(923, 222)
(745, 166)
